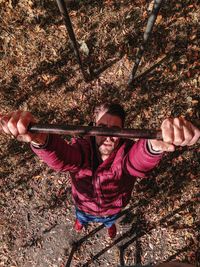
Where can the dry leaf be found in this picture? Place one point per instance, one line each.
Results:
(159, 19)
(174, 67)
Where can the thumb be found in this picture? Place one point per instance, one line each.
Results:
(168, 147)
(24, 138)
(162, 146)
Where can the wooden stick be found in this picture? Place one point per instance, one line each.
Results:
(94, 131)
(150, 23)
(64, 12)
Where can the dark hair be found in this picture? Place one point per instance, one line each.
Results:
(110, 108)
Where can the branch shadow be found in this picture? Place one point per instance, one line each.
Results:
(138, 229)
(180, 251)
(153, 187)
(160, 88)
(55, 75)
(129, 41)
(76, 244)
(173, 55)
(138, 248)
(170, 9)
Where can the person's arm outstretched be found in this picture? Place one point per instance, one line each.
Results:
(146, 154)
(52, 149)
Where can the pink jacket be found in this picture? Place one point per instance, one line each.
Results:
(99, 189)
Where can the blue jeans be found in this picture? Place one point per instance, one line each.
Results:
(85, 218)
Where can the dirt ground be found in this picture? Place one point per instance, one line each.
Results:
(39, 73)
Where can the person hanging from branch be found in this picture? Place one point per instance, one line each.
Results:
(103, 169)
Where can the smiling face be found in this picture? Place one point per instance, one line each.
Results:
(106, 145)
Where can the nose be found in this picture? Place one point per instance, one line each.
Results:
(109, 138)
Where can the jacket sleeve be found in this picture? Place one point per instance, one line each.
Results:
(140, 160)
(59, 155)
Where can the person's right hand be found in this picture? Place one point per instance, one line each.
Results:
(16, 124)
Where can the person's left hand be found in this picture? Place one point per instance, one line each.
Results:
(176, 132)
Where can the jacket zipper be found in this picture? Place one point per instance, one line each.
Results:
(96, 180)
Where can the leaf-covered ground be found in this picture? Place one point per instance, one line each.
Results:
(38, 72)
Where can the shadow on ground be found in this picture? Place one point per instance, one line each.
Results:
(138, 229)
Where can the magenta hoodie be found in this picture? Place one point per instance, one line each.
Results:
(104, 188)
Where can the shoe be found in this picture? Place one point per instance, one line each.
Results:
(112, 231)
(78, 226)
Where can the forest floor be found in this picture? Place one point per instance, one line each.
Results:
(39, 73)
